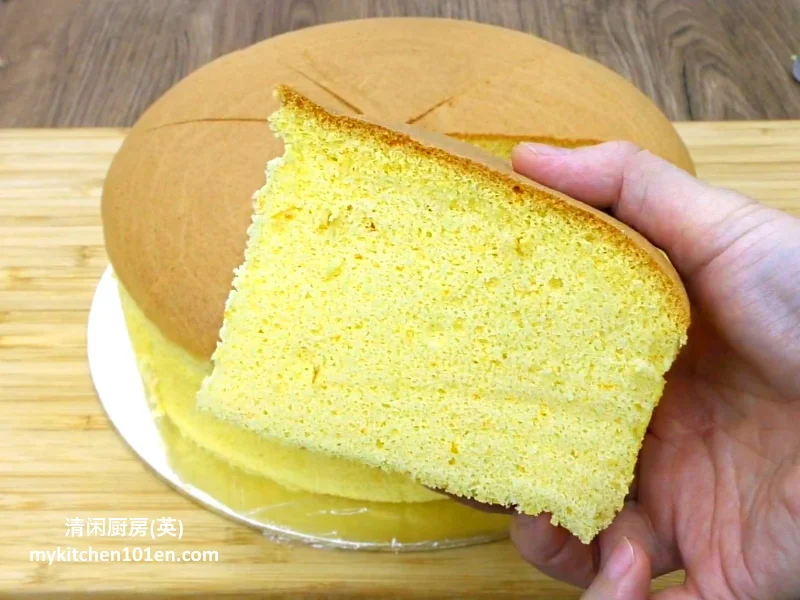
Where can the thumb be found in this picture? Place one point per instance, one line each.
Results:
(624, 576)
(691, 221)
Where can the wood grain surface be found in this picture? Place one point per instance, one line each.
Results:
(59, 457)
(102, 62)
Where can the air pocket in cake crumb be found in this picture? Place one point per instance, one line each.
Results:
(333, 270)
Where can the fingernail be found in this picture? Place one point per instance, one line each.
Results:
(620, 561)
(544, 149)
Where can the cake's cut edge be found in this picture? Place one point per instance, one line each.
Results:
(462, 158)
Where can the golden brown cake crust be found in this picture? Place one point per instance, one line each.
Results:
(518, 139)
(177, 199)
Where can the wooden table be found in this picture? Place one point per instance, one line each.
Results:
(101, 62)
(59, 457)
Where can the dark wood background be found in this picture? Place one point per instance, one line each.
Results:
(101, 62)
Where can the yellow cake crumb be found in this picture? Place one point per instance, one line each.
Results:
(172, 376)
(411, 311)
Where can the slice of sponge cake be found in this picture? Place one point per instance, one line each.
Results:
(414, 305)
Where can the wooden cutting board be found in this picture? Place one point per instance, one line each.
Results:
(60, 459)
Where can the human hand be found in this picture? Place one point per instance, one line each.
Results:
(718, 486)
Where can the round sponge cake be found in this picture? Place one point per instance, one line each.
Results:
(177, 201)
